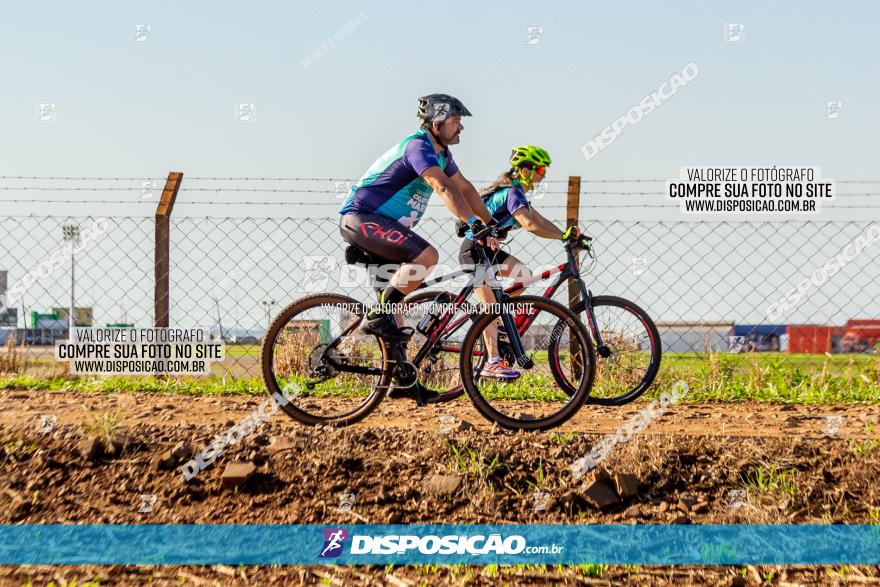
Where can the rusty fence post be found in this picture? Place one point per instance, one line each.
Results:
(162, 258)
(574, 291)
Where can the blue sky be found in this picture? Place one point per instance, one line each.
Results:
(129, 108)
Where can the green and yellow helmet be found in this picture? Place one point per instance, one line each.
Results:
(529, 161)
(529, 155)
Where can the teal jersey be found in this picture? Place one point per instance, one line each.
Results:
(393, 186)
(502, 205)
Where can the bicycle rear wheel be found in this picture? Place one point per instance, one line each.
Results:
(534, 401)
(314, 355)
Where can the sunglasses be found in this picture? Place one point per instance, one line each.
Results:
(539, 170)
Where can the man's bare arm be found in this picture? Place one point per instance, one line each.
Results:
(472, 196)
(448, 192)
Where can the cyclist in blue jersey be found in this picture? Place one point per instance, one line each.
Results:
(382, 208)
(506, 201)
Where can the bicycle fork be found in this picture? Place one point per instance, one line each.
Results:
(519, 352)
(587, 298)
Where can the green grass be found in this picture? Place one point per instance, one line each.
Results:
(865, 448)
(773, 378)
(763, 377)
(180, 386)
(772, 480)
(242, 350)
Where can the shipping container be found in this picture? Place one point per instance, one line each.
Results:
(861, 335)
(809, 338)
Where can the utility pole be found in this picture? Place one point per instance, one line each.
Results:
(71, 235)
(268, 305)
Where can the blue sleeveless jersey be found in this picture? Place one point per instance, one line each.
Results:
(502, 205)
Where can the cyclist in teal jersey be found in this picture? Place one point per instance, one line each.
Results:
(389, 200)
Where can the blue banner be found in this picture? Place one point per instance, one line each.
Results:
(440, 543)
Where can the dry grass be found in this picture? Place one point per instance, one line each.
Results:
(12, 359)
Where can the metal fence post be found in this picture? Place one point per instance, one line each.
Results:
(574, 292)
(161, 296)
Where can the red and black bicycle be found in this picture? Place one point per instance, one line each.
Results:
(626, 340)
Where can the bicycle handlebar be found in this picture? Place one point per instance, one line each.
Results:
(487, 231)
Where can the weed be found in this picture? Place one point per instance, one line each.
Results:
(105, 426)
(771, 480)
(593, 570)
(563, 438)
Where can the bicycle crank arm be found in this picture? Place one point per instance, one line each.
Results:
(405, 373)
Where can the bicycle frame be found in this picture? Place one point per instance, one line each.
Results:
(568, 270)
(501, 296)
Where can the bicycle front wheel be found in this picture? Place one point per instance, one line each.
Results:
(628, 357)
(534, 400)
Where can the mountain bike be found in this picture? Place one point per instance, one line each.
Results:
(341, 374)
(626, 340)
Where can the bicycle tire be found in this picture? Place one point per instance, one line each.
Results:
(267, 362)
(656, 354)
(579, 395)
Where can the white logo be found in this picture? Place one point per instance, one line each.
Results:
(441, 111)
(736, 498)
(446, 424)
(317, 272)
(539, 191)
(409, 221)
(141, 31)
(638, 265)
(346, 502)
(541, 499)
(47, 424)
(246, 112)
(147, 190)
(342, 189)
(646, 106)
(147, 503)
(735, 344)
(733, 32)
(833, 424)
(535, 34)
(47, 112)
(832, 108)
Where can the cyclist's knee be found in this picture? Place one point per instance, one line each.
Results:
(428, 258)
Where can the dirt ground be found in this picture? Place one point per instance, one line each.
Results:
(91, 458)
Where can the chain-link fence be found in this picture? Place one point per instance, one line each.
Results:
(795, 288)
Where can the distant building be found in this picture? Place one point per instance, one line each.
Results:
(694, 337)
(9, 317)
(813, 339)
(859, 336)
(310, 332)
(757, 337)
(81, 316)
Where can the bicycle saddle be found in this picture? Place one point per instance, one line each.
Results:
(357, 256)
